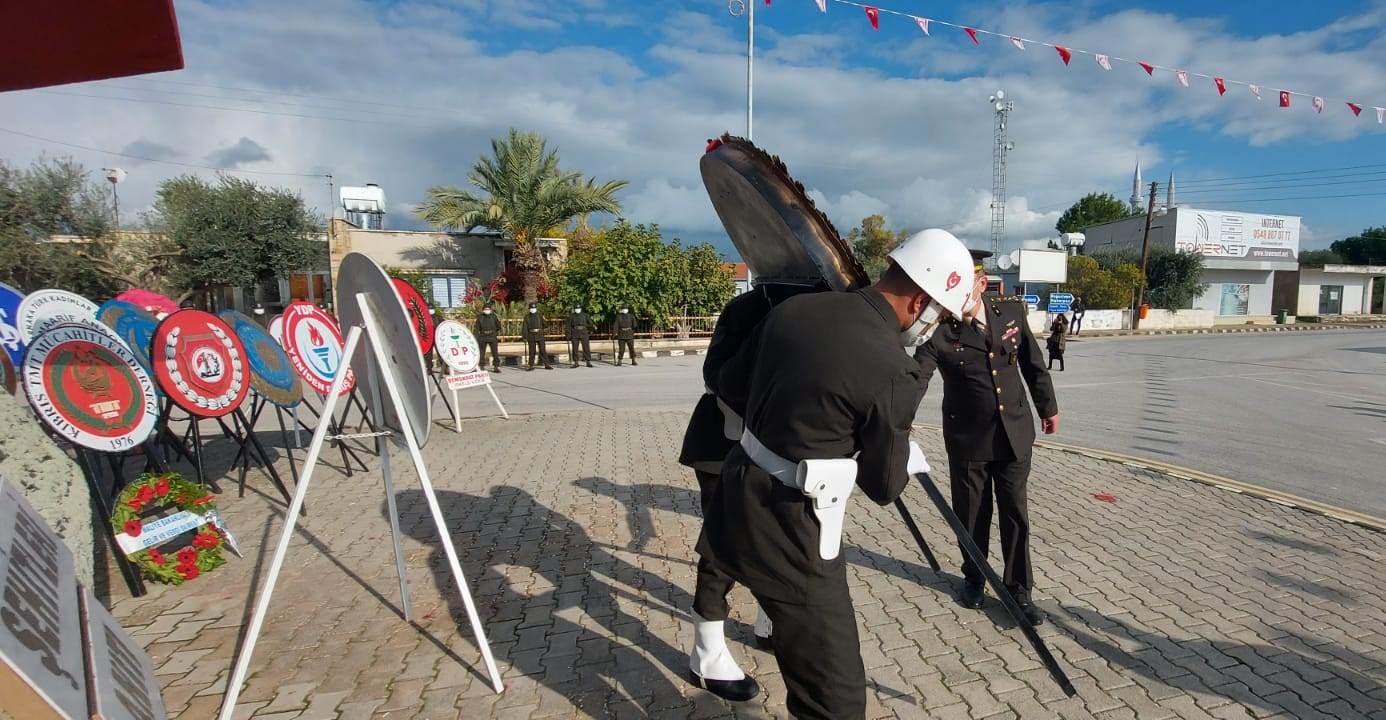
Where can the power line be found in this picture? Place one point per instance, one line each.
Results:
(1200, 181)
(156, 160)
(1295, 186)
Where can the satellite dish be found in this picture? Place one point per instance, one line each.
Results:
(360, 274)
(1005, 262)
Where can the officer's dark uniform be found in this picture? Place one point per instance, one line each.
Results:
(625, 337)
(989, 428)
(823, 376)
(534, 338)
(488, 329)
(579, 331)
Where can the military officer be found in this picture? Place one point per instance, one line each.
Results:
(534, 337)
(625, 335)
(987, 360)
(712, 431)
(579, 332)
(823, 380)
(488, 328)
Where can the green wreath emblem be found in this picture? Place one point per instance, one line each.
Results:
(163, 491)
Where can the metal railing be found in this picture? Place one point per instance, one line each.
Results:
(676, 328)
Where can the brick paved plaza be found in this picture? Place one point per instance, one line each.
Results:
(1176, 600)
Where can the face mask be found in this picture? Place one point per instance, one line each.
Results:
(923, 327)
(533, 310)
(487, 311)
(577, 310)
(624, 311)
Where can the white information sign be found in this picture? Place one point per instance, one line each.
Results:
(462, 381)
(1237, 236)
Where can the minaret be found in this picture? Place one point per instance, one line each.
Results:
(1137, 200)
(1169, 191)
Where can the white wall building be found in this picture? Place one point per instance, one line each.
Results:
(1337, 289)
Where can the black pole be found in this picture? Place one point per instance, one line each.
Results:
(92, 470)
(197, 455)
(265, 460)
(997, 585)
(918, 536)
(284, 435)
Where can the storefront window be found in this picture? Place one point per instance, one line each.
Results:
(1236, 299)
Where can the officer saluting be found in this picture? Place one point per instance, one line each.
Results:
(579, 331)
(987, 359)
(488, 328)
(824, 380)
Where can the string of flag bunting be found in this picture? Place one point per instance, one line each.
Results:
(1105, 61)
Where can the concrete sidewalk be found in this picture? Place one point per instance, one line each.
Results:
(1167, 598)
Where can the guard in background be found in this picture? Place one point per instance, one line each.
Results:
(488, 328)
(625, 335)
(830, 398)
(534, 337)
(1079, 309)
(1057, 341)
(987, 359)
(579, 332)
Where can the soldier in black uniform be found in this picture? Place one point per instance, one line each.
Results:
(823, 379)
(625, 335)
(986, 362)
(534, 337)
(579, 332)
(488, 328)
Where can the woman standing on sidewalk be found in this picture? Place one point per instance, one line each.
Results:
(1058, 340)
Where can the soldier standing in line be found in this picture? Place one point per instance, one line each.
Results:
(579, 332)
(625, 335)
(987, 359)
(534, 337)
(488, 328)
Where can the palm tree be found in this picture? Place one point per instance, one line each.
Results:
(523, 195)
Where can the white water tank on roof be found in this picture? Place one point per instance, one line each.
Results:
(364, 206)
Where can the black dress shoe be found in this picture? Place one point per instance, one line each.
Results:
(589, 365)
(766, 643)
(972, 596)
(1032, 613)
(496, 369)
(731, 690)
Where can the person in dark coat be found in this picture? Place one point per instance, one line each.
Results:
(829, 400)
(1079, 310)
(488, 328)
(987, 362)
(1057, 341)
(625, 335)
(579, 332)
(534, 337)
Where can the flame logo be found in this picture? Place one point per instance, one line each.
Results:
(314, 336)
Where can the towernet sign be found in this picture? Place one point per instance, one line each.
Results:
(1236, 236)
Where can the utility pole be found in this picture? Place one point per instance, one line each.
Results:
(750, 6)
(1003, 108)
(1145, 256)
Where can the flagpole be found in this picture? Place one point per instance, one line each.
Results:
(750, 67)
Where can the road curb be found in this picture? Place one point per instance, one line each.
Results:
(1316, 327)
(1363, 520)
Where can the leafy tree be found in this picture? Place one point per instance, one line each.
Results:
(54, 197)
(872, 241)
(1319, 258)
(1092, 209)
(1102, 289)
(233, 232)
(523, 194)
(1173, 279)
(1368, 248)
(710, 283)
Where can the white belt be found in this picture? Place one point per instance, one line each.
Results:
(731, 422)
(829, 482)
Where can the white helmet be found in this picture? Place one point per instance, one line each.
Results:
(941, 265)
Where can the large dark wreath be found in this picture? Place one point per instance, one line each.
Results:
(152, 491)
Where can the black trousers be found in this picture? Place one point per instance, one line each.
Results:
(537, 348)
(1076, 325)
(585, 343)
(494, 344)
(625, 346)
(712, 585)
(819, 655)
(974, 484)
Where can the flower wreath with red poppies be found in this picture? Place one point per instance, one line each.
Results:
(169, 490)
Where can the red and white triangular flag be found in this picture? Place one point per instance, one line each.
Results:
(874, 15)
(1380, 115)
(1103, 61)
(1149, 69)
(1064, 53)
(1318, 104)
(1255, 90)
(1284, 98)
(1183, 76)
(1222, 85)
(923, 24)
(1018, 43)
(822, 5)
(1355, 108)
(972, 34)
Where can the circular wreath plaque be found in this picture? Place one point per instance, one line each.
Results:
(132, 325)
(7, 374)
(169, 491)
(46, 309)
(200, 363)
(314, 346)
(271, 375)
(457, 346)
(10, 338)
(276, 329)
(419, 317)
(87, 386)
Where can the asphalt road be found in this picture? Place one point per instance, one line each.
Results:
(1298, 412)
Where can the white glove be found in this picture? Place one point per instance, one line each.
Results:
(917, 464)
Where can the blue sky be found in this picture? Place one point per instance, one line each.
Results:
(407, 93)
